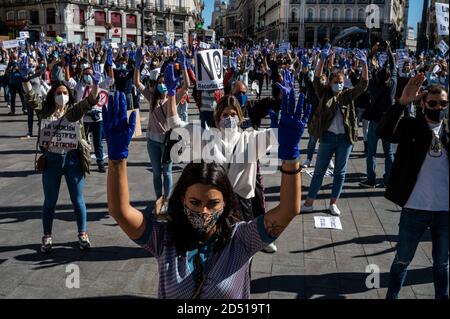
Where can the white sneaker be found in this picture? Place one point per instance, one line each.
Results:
(271, 248)
(306, 209)
(331, 165)
(334, 210)
(306, 163)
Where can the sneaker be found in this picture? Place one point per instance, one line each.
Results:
(84, 242)
(25, 112)
(271, 248)
(101, 168)
(367, 184)
(11, 113)
(306, 209)
(381, 185)
(306, 163)
(46, 244)
(331, 165)
(334, 210)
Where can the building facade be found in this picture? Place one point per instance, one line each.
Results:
(95, 20)
(309, 22)
(217, 19)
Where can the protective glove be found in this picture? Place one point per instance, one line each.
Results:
(300, 54)
(181, 57)
(265, 52)
(139, 57)
(25, 69)
(131, 55)
(291, 125)
(288, 78)
(109, 57)
(305, 61)
(97, 75)
(326, 52)
(170, 80)
(117, 128)
(361, 56)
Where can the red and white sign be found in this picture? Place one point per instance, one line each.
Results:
(102, 97)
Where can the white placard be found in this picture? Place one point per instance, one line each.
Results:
(209, 70)
(332, 222)
(24, 34)
(10, 44)
(443, 46)
(442, 18)
(204, 45)
(59, 136)
(102, 97)
(2, 67)
(114, 45)
(179, 44)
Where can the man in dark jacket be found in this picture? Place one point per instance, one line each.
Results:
(419, 180)
(382, 87)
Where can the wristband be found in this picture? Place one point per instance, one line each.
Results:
(291, 173)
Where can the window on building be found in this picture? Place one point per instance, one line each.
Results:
(310, 13)
(335, 14)
(100, 18)
(348, 14)
(82, 16)
(294, 16)
(34, 17)
(361, 14)
(131, 21)
(323, 14)
(10, 15)
(22, 15)
(51, 15)
(116, 19)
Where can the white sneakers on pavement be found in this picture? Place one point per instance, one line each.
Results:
(306, 163)
(306, 209)
(271, 248)
(334, 210)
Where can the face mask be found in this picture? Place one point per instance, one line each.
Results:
(202, 223)
(74, 66)
(242, 98)
(442, 79)
(84, 66)
(337, 87)
(61, 99)
(87, 79)
(123, 67)
(435, 115)
(229, 122)
(162, 88)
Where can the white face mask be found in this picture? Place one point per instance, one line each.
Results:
(62, 99)
(230, 122)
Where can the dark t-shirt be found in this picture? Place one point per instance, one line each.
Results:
(274, 68)
(123, 80)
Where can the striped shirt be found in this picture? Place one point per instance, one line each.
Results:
(226, 273)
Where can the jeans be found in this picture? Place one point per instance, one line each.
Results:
(13, 90)
(5, 86)
(156, 152)
(207, 117)
(330, 144)
(311, 147)
(365, 123)
(97, 134)
(183, 111)
(413, 224)
(30, 119)
(388, 148)
(69, 166)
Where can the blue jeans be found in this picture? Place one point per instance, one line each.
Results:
(311, 147)
(156, 152)
(207, 117)
(69, 166)
(13, 90)
(330, 144)
(5, 86)
(388, 148)
(97, 134)
(183, 111)
(413, 224)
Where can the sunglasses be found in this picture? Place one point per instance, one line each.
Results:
(433, 104)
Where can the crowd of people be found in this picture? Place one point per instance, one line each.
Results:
(216, 216)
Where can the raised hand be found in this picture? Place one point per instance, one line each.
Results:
(361, 56)
(109, 57)
(139, 57)
(411, 92)
(170, 80)
(97, 73)
(291, 125)
(118, 129)
(326, 52)
(288, 78)
(181, 57)
(25, 68)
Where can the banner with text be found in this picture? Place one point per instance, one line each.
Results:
(209, 70)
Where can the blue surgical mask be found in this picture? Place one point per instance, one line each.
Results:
(162, 88)
(229, 122)
(87, 79)
(337, 87)
(242, 98)
(123, 67)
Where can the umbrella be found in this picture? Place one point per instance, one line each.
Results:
(347, 32)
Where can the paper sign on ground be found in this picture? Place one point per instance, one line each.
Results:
(332, 222)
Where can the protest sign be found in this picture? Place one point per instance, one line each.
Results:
(24, 34)
(443, 47)
(138, 128)
(102, 97)
(442, 18)
(327, 222)
(10, 44)
(2, 67)
(59, 134)
(209, 70)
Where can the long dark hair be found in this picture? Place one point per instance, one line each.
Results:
(156, 94)
(50, 98)
(184, 235)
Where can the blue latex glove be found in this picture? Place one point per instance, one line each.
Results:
(170, 80)
(25, 68)
(131, 55)
(109, 57)
(97, 75)
(292, 123)
(68, 59)
(265, 52)
(361, 56)
(139, 57)
(326, 52)
(305, 61)
(300, 54)
(117, 128)
(181, 58)
(234, 63)
(288, 78)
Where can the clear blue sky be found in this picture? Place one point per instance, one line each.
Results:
(415, 12)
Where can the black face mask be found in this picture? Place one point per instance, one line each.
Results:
(435, 115)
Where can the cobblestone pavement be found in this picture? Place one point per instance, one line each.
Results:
(309, 263)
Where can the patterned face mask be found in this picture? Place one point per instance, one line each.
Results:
(202, 223)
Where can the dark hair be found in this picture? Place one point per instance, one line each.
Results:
(434, 89)
(184, 235)
(224, 102)
(50, 98)
(336, 74)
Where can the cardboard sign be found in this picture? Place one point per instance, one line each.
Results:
(442, 18)
(443, 47)
(24, 34)
(102, 97)
(138, 129)
(209, 70)
(59, 136)
(10, 44)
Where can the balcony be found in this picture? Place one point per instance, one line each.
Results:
(333, 20)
